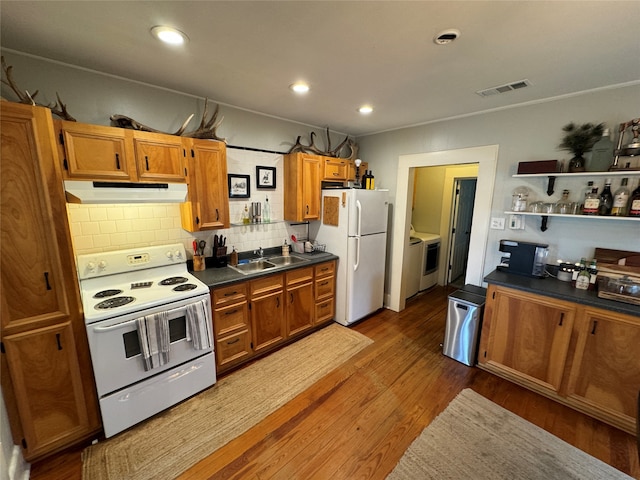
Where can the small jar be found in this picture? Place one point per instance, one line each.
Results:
(519, 199)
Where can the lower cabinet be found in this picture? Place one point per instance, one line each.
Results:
(581, 356)
(259, 315)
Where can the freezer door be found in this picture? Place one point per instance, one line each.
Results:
(365, 276)
(367, 211)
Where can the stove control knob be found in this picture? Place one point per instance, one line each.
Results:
(102, 264)
(169, 254)
(178, 254)
(91, 266)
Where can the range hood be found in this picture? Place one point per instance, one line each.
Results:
(78, 191)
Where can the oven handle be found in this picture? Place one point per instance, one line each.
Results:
(127, 322)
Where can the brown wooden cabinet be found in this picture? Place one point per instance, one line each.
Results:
(581, 356)
(231, 325)
(95, 152)
(325, 289)
(335, 169)
(256, 316)
(207, 205)
(299, 310)
(302, 187)
(351, 174)
(605, 372)
(47, 381)
(529, 336)
(267, 311)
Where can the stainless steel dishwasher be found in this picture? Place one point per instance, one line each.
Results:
(464, 317)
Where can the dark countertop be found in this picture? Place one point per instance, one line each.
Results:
(552, 287)
(217, 277)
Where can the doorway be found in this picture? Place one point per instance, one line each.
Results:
(464, 194)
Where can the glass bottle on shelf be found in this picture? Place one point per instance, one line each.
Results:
(591, 203)
(606, 199)
(563, 205)
(245, 215)
(586, 192)
(601, 154)
(519, 199)
(634, 202)
(621, 200)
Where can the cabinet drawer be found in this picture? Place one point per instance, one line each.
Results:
(231, 294)
(230, 318)
(233, 349)
(325, 269)
(300, 275)
(324, 311)
(325, 287)
(266, 285)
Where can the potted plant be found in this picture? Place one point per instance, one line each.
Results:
(579, 139)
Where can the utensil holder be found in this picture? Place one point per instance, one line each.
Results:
(199, 263)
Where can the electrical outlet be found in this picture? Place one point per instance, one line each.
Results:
(497, 223)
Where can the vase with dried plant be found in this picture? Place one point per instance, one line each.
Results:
(579, 139)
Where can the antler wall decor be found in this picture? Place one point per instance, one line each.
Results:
(207, 128)
(58, 108)
(311, 148)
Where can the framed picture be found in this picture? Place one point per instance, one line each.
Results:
(238, 186)
(265, 177)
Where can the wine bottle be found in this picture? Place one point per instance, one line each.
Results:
(621, 200)
(634, 202)
(606, 199)
(591, 203)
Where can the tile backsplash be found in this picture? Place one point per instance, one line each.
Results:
(99, 228)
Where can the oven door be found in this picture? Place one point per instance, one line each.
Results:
(115, 349)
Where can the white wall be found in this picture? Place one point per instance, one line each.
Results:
(525, 133)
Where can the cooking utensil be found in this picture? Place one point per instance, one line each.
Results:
(201, 246)
(195, 247)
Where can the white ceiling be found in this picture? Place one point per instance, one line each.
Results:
(247, 53)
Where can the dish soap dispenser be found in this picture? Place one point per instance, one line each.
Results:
(285, 249)
(233, 257)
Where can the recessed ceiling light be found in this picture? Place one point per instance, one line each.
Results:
(447, 36)
(365, 109)
(169, 35)
(299, 87)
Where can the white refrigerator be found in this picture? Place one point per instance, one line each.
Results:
(354, 227)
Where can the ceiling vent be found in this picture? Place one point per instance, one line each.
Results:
(504, 88)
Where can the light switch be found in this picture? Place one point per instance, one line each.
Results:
(497, 223)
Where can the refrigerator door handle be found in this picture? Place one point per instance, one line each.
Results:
(355, 265)
(359, 210)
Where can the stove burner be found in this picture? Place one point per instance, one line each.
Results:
(186, 286)
(114, 302)
(173, 280)
(107, 293)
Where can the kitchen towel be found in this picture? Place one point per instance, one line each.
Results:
(153, 335)
(199, 325)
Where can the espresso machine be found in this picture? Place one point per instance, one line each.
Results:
(523, 258)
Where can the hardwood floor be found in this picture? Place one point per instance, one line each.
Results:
(357, 421)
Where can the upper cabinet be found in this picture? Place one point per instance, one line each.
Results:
(336, 169)
(207, 205)
(95, 152)
(302, 177)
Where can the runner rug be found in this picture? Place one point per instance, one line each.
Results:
(473, 438)
(171, 442)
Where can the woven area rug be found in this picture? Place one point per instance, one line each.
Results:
(476, 439)
(173, 441)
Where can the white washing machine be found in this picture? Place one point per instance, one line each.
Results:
(413, 272)
(430, 259)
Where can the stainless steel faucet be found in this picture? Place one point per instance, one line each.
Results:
(259, 252)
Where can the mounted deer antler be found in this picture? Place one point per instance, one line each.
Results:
(311, 148)
(207, 129)
(28, 98)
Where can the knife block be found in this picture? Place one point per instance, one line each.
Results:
(220, 257)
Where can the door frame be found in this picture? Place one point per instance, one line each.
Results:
(486, 157)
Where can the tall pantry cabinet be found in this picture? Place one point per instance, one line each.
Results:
(47, 382)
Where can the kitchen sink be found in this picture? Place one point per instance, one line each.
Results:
(290, 260)
(253, 267)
